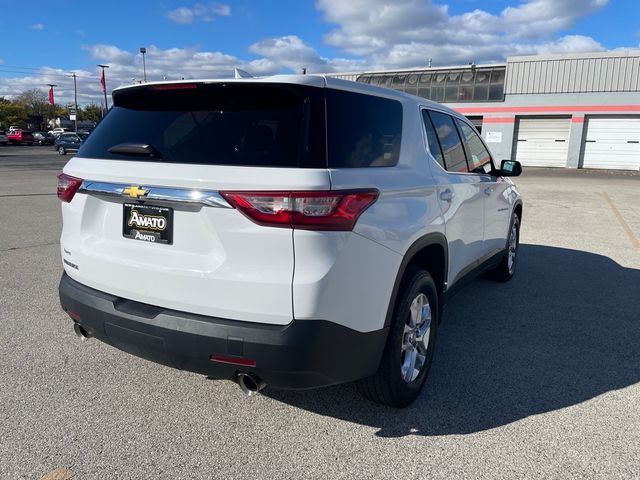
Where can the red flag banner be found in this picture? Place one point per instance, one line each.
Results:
(102, 82)
(51, 96)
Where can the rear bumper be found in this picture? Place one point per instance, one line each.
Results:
(303, 354)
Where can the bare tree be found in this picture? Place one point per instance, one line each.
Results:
(35, 101)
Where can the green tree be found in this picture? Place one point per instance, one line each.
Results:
(12, 113)
(61, 111)
(91, 112)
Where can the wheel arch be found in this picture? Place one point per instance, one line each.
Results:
(517, 209)
(430, 252)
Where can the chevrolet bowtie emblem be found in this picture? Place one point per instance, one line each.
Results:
(135, 192)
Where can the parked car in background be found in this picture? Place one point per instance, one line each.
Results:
(3, 138)
(19, 137)
(67, 142)
(58, 131)
(43, 138)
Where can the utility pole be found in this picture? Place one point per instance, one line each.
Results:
(144, 63)
(103, 82)
(53, 105)
(75, 101)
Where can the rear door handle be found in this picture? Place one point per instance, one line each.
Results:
(488, 191)
(446, 195)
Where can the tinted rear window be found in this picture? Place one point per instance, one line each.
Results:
(270, 125)
(454, 156)
(362, 130)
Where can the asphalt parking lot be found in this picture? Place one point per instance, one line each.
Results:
(537, 378)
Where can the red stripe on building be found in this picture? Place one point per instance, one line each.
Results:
(499, 120)
(558, 108)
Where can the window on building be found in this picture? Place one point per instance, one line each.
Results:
(496, 90)
(412, 84)
(398, 81)
(437, 86)
(461, 85)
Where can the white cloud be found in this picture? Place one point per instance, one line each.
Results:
(36, 26)
(372, 34)
(199, 12)
(294, 54)
(109, 54)
(405, 33)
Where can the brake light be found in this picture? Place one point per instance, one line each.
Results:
(323, 210)
(174, 86)
(67, 187)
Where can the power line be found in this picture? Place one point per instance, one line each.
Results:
(40, 73)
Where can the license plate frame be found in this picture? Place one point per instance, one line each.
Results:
(147, 223)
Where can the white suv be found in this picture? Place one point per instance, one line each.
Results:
(290, 231)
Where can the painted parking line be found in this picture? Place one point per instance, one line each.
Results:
(634, 240)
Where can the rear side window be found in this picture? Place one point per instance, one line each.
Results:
(362, 130)
(432, 139)
(452, 148)
(478, 155)
(240, 124)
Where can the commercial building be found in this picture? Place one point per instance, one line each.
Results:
(575, 111)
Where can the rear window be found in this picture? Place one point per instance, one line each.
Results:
(267, 125)
(362, 130)
(270, 125)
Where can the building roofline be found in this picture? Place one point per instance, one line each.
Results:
(620, 52)
(415, 69)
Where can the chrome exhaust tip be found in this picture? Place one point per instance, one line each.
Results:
(81, 333)
(250, 384)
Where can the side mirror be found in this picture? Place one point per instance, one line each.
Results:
(510, 168)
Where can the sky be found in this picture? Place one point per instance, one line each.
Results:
(200, 39)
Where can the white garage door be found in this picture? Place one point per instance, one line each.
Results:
(543, 142)
(612, 143)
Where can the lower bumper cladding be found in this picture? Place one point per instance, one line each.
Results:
(303, 354)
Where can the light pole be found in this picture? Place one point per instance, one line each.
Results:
(144, 63)
(75, 101)
(53, 104)
(103, 82)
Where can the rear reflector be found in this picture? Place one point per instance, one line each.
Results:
(74, 316)
(67, 187)
(244, 362)
(311, 210)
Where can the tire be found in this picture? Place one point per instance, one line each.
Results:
(61, 150)
(507, 267)
(394, 384)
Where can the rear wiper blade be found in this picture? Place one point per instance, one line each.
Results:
(135, 149)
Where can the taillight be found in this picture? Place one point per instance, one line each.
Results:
(324, 210)
(67, 186)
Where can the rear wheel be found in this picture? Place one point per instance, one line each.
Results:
(61, 150)
(409, 350)
(507, 267)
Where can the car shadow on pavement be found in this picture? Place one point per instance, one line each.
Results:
(565, 330)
